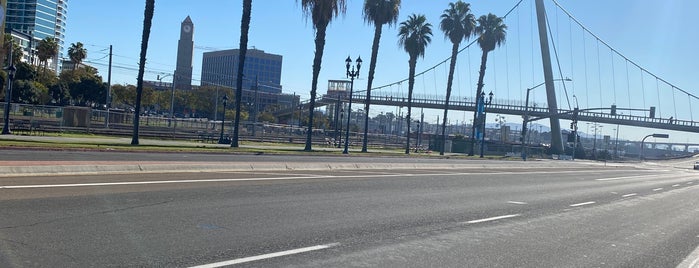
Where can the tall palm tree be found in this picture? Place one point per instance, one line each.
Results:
(378, 13)
(244, 29)
(47, 49)
(414, 35)
(457, 24)
(147, 22)
(321, 13)
(77, 54)
(491, 32)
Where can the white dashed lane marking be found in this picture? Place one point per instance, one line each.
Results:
(493, 218)
(629, 195)
(266, 256)
(657, 189)
(517, 202)
(583, 204)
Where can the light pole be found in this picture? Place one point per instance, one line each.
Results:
(223, 119)
(654, 135)
(342, 118)
(490, 101)
(8, 94)
(526, 115)
(350, 74)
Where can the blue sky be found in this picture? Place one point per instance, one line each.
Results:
(652, 34)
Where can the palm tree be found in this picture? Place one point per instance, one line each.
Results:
(244, 29)
(47, 49)
(77, 54)
(491, 32)
(414, 35)
(321, 13)
(378, 13)
(457, 24)
(147, 22)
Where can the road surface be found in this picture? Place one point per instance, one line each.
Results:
(484, 214)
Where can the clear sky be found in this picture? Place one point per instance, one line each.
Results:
(659, 36)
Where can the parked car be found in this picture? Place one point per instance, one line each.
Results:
(696, 165)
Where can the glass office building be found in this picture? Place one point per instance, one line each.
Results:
(221, 68)
(38, 19)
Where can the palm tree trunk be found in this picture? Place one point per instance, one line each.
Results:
(450, 80)
(244, 28)
(411, 83)
(481, 74)
(147, 21)
(372, 69)
(318, 58)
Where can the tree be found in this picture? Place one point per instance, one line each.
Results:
(491, 32)
(77, 54)
(17, 51)
(147, 22)
(378, 13)
(457, 24)
(321, 12)
(47, 49)
(244, 29)
(414, 36)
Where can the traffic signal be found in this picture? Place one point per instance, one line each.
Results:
(652, 112)
(572, 125)
(614, 109)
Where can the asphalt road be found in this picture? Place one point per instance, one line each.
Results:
(488, 214)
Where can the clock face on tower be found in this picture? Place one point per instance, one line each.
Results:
(187, 28)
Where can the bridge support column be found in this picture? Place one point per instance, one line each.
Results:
(686, 148)
(556, 138)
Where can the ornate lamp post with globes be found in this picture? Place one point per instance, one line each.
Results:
(350, 74)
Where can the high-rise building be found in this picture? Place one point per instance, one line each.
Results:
(185, 56)
(38, 19)
(261, 69)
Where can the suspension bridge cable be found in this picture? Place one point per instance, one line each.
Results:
(558, 62)
(691, 112)
(618, 53)
(587, 81)
(628, 83)
(657, 90)
(643, 87)
(674, 103)
(572, 72)
(449, 58)
(519, 54)
(599, 75)
(613, 76)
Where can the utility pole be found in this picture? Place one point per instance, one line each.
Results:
(108, 101)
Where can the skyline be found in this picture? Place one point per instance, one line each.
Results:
(668, 53)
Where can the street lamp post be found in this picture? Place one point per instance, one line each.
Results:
(526, 115)
(490, 101)
(351, 74)
(8, 94)
(339, 138)
(654, 135)
(223, 119)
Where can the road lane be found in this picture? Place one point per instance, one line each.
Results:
(194, 224)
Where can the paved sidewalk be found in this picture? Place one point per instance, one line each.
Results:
(69, 167)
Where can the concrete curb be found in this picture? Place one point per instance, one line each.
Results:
(85, 168)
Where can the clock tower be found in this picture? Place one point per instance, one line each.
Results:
(185, 55)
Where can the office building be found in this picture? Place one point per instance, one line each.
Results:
(38, 19)
(185, 55)
(261, 69)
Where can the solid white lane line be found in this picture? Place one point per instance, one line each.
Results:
(629, 195)
(582, 204)
(517, 202)
(657, 189)
(266, 256)
(493, 218)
